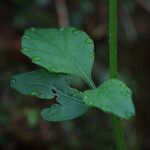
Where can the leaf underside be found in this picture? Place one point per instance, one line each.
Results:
(42, 84)
(113, 96)
(60, 50)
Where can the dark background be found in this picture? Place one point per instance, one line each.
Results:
(21, 126)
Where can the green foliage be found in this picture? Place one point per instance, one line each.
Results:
(70, 105)
(64, 50)
(68, 51)
(39, 83)
(43, 84)
(112, 96)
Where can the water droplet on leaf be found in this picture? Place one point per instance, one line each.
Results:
(92, 55)
(91, 103)
(32, 29)
(85, 97)
(36, 58)
(53, 69)
(13, 81)
(51, 111)
(122, 85)
(26, 37)
(34, 93)
(106, 108)
(25, 50)
(75, 32)
(89, 41)
(128, 114)
(113, 80)
(62, 28)
(126, 93)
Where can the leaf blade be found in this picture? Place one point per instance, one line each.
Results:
(38, 83)
(66, 109)
(45, 85)
(112, 96)
(64, 50)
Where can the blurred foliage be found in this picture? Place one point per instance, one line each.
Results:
(21, 127)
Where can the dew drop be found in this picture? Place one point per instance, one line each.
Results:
(13, 81)
(113, 81)
(126, 93)
(26, 37)
(53, 69)
(89, 41)
(106, 108)
(35, 58)
(85, 97)
(34, 93)
(128, 114)
(62, 28)
(122, 85)
(75, 32)
(92, 55)
(91, 103)
(32, 29)
(51, 111)
(25, 50)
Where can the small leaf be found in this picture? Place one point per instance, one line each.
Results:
(62, 50)
(112, 96)
(43, 84)
(69, 106)
(38, 83)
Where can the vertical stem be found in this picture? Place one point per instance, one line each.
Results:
(113, 38)
(118, 133)
(118, 130)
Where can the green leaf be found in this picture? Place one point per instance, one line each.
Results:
(69, 106)
(112, 96)
(39, 83)
(43, 84)
(60, 50)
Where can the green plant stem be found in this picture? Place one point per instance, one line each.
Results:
(118, 130)
(118, 133)
(113, 38)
